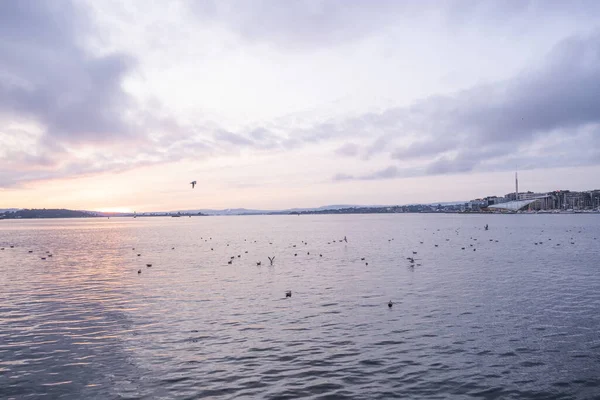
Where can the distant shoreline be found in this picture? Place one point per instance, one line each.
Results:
(2, 218)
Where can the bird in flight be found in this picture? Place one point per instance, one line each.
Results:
(193, 183)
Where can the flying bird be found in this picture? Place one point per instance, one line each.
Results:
(193, 183)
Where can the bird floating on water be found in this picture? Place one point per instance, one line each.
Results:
(139, 271)
(288, 293)
(258, 263)
(148, 265)
(390, 304)
(193, 183)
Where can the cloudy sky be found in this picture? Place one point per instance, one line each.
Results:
(272, 104)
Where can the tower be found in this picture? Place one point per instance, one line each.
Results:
(516, 186)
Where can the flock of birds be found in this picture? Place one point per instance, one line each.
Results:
(288, 293)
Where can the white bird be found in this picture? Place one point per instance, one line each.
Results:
(193, 183)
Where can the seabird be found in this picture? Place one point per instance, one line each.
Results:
(258, 263)
(148, 265)
(362, 259)
(271, 259)
(229, 262)
(288, 293)
(345, 240)
(139, 254)
(193, 183)
(139, 271)
(390, 304)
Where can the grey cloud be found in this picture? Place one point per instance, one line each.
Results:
(75, 97)
(47, 74)
(342, 177)
(424, 148)
(348, 149)
(492, 126)
(299, 23)
(230, 137)
(309, 24)
(386, 173)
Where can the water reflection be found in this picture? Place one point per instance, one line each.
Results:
(509, 320)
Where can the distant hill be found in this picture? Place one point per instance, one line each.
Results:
(16, 213)
(246, 211)
(44, 213)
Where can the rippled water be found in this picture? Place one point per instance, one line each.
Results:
(503, 318)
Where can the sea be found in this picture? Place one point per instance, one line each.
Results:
(192, 308)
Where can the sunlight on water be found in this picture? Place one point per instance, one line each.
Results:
(507, 313)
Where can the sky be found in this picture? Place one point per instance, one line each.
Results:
(111, 105)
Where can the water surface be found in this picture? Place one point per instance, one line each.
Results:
(503, 318)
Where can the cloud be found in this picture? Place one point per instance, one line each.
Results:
(313, 24)
(232, 138)
(348, 149)
(502, 125)
(49, 77)
(65, 98)
(64, 109)
(299, 23)
(386, 173)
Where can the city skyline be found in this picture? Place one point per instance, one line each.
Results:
(273, 105)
